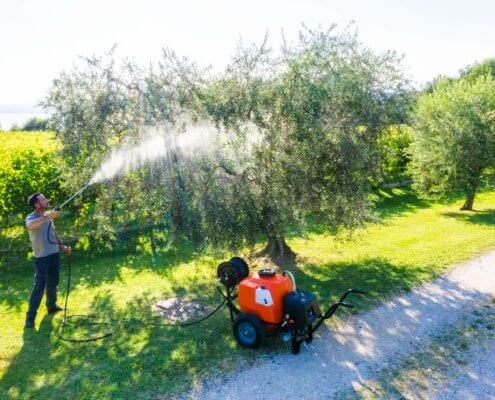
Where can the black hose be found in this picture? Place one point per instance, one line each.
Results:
(182, 324)
(92, 320)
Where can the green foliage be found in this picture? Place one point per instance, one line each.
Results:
(36, 124)
(484, 68)
(393, 145)
(29, 163)
(15, 127)
(454, 137)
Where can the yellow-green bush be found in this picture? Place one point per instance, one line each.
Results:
(29, 163)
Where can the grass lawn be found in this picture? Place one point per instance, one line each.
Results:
(413, 241)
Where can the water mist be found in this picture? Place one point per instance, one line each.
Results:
(157, 144)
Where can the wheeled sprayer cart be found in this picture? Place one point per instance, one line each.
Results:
(269, 304)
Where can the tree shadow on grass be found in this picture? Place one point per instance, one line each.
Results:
(36, 350)
(14, 293)
(485, 217)
(393, 203)
(378, 277)
(141, 360)
(16, 283)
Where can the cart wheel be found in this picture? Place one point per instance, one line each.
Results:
(295, 345)
(249, 331)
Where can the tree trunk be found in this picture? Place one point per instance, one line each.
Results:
(468, 204)
(276, 248)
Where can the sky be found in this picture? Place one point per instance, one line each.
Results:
(39, 39)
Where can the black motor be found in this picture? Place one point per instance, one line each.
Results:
(302, 307)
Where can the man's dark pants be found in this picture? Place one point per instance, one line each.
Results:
(46, 276)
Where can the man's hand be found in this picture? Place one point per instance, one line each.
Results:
(53, 214)
(67, 249)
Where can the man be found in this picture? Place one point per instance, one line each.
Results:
(46, 246)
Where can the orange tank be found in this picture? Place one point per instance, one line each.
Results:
(263, 296)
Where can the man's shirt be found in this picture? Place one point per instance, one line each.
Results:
(39, 237)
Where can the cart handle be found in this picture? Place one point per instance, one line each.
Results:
(333, 308)
(349, 291)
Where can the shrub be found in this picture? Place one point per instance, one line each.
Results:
(29, 163)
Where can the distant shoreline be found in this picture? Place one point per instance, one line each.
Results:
(18, 114)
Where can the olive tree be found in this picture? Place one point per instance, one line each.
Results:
(319, 105)
(453, 142)
(102, 104)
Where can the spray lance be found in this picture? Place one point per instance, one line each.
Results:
(72, 197)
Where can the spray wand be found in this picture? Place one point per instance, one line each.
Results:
(72, 197)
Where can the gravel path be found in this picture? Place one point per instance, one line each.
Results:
(476, 380)
(457, 363)
(358, 349)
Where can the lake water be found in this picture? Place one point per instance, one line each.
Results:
(8, 119)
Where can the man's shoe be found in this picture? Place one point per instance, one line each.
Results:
(55, 309)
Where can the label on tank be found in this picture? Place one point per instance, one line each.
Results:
(263, 296)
